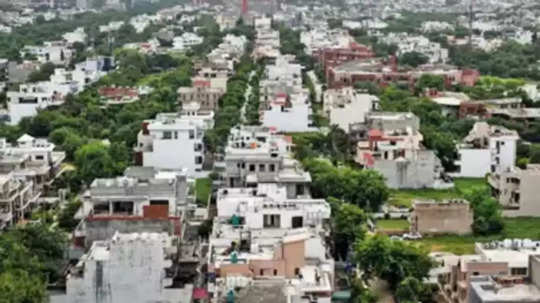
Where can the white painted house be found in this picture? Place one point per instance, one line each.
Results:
(346, 106)
(174, 141)
(487, 149)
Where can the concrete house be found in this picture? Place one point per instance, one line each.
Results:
(394, 149)
(255, 155)
(112, 271)
(517, 190)
(174, 140)
(345, 107)
(143, 200)
(487, 149)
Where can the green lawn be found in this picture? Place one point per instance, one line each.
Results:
(203, 188)
(514, 228)
(462, 185)
(392, 224)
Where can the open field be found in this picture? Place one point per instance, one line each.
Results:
(462, 185)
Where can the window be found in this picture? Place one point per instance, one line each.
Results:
(198, 160)
(167, 135)
(159, 202)
(275, 272)
(39, 157)
(252, 167)
(191, 134)
(176, 135)
(123, 208)
(519, 271)
(297, 222)
(271, 221)
(262, 167)
(261, 272)
(272, 167)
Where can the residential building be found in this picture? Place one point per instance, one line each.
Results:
(186, 41)
(392, 146)
(516, 190)
(56, 52)
(32, 159)
(487, 149)
(409, 43)
(31, 97)
(441, 217)
(507, 260)
(345, 106)
(333, 57)
(145, 199)
(382, 72)
(201, 93)
(319, 40)
(113, 269)
(272, 237)
(284, 103)
(18, 73)
(17, 199)
(174, 140)
(500, 289)
(256, 155)
(78, 35)
(218, 77)
(228, 52)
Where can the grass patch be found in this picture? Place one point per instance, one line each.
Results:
(203, 188)
(400, 224)
(406, 197)
(513, 228)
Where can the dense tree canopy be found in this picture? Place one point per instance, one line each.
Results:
(392, 261)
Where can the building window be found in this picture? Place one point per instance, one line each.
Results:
(261, 272)
(272, 167)
(176, 135)
(519, 271)
(262, 167)
(191, 134)
(167, 135)
(252, 167)
(198, 160)
(275, 272)
(297, 222)
(40, 157)
(271, 221)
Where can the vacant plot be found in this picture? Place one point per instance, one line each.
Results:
(514, 228)
(387, 225)
(462, 186)
(203, 188)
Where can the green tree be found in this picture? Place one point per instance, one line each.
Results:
(18, 286)
(430, 81)
(349, 225)
(413, 59)
(487, 212)
(93, 161)
(43, 73)
(392, 261)
(414, 290)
